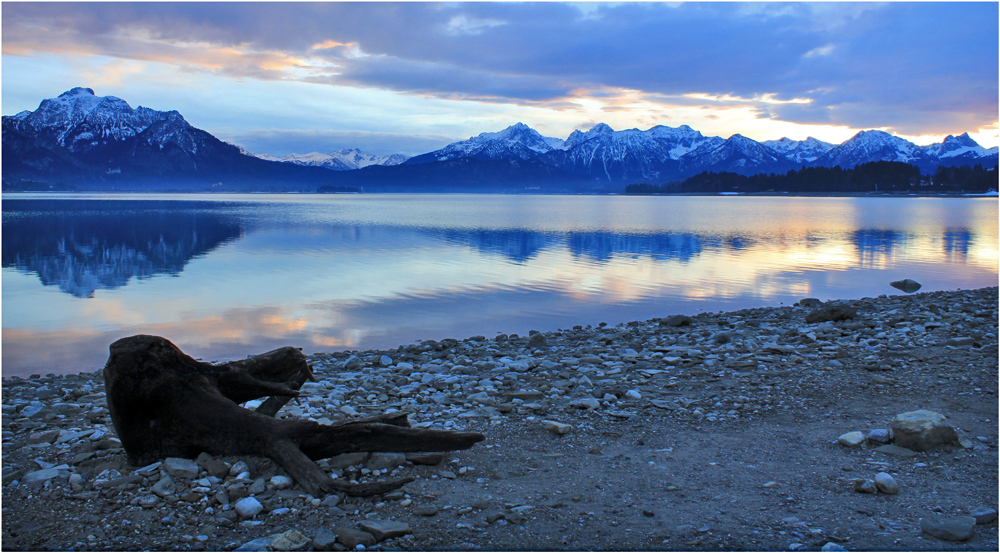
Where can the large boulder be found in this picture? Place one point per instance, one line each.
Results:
(922, 430)
(951, 529)
(906, 285)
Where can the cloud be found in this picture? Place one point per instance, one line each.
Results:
(898, 65)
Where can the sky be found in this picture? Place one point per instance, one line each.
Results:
(281, 78)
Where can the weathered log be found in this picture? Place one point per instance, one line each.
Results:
(164, 403)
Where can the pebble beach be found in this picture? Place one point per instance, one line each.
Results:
(686, 432)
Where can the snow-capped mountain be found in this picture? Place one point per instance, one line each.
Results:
(869, 146)
(958, 150)
(103, 142)
(80, 121)
(799, 151)
(738, 154)
(632, 154)
(517, 141)
(340, 160)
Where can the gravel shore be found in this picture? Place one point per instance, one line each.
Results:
(710, 432)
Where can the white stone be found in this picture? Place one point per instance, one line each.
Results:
(851, 439)
(885, 483)
(556, 427)
(633, 394)
(248, 507)
(281, 482)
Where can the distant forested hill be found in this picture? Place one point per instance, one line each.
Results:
(876, 176)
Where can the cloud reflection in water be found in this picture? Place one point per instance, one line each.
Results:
(227, 277)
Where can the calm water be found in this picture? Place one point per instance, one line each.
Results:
(227, 276)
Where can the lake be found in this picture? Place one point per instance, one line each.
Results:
(226, 276)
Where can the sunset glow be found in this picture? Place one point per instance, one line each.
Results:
(408, 78)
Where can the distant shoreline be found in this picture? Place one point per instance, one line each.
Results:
(993, 194)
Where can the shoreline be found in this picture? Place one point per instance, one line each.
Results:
(596, 326)
(716, 431)
(770, 194)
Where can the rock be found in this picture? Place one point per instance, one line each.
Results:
(292, 540)
(851, 439)
(633, 394)
(984, 515)
(248, 507)
(281, 482)
(951, 529)
(960, 342)
(922, 430)
(165, 487)
(831, 546)
(906, 285)
(895, 450)
(331, 500)
(39, 476)
(809, 302)
(537, 341)
(885, 483)
(46, 437)
(76, 482)
(381, 461)
(352, 538)
(212, 466)
(425, 510)
(384, 529)
(865, 486)
(385, 361)
(238, 468)
(259, 544)
(587, 403)
(676, 320)
(150, 470)
(324, 541)
(557, 428)
(259, 486)
(832, 313)
(181, 468)
(879, 435)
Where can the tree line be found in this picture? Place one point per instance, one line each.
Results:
(875, 176)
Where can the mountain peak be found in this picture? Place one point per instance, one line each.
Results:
(962, 140)
(78, 91)
(600, 128)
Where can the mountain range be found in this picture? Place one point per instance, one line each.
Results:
(93, 142)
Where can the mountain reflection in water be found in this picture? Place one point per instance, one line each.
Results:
(90, 247)
(229, 276)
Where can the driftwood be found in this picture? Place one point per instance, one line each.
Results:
(166, 404)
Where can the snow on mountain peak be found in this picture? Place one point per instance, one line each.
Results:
(600, 128)
(799, 151)
(340, 160)
(517, 141)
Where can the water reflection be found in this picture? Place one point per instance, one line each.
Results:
(234, 276)
(81, 249)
